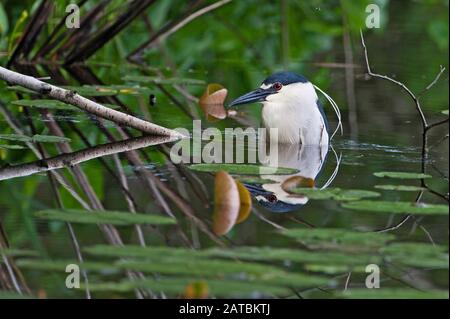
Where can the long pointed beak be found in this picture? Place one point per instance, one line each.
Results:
(257, 95)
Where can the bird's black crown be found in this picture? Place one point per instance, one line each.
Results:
(285, 78)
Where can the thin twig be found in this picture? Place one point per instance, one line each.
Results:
(385, 77)
(429, 86)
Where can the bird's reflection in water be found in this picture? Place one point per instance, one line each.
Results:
(307, 159)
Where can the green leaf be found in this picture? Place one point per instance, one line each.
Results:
(245, 169)
(108, 90)
(250, 272)
(334, 269)
(19, 252)
(334, 193)
(12, 147)
(35, 138)
(19, 89)
(397, 207)
(177, 286)
(392, 293)
(127, 251)
(402, 188)
(4, 24)
(158, 80)
(335, 238)
(15, 137)
(402, 175)
(221, 268)
(254, 180)
(60, 265)
(103, 217)
(246, 253)
(12, 295)
(47, 104)
(49, 139)
(293, 255)
(418, 255)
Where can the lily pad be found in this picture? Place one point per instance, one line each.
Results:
(392, 293)
(221, 268)
(421, 255)
(335, 238)
(245, 201)
(297, 182)
(253, 180)
(103, 217)
(333, 269)
(211, 102)
(245, 169)
(402, 175)
(293, 255)
(226, 203)
(133, 251)
(334, 193)
(196, 290)
(397, 207)
(246, 253)
(177, 286)
(401, 188)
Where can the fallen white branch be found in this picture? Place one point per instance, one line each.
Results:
(75, 158)
(73, 98)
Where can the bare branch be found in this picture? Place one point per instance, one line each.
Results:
(403, 86)
(71, 97)
(430, 126)
(74, 158)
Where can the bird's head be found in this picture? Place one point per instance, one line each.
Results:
(278, 87)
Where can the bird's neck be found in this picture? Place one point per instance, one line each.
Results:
(296, 115)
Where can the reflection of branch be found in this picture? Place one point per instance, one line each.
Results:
(83, 103)
(78, 157)
(60, 178)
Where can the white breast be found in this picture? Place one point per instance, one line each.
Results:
(294, 111)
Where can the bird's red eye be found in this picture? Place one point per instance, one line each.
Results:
(277, 86)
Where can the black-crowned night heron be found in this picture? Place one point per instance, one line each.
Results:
(291, 105)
